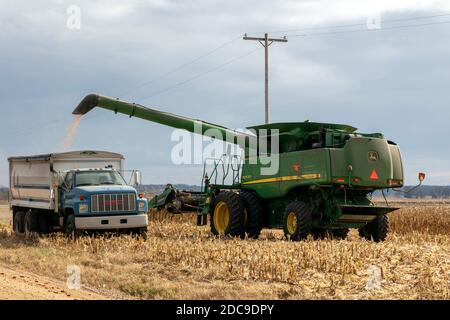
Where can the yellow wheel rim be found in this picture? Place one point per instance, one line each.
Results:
(291, 223)
(221, 217)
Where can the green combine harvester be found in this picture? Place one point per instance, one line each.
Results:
(327, 174)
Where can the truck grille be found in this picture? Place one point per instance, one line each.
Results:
(113, 202)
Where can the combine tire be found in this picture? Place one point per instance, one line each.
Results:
(253, 214)
(227, 215)
(30, 224)
(376, 230)
(18, 223)
(297, 221)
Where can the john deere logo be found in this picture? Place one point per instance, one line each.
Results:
(373, 156)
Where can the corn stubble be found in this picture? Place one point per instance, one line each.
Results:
(183, 261)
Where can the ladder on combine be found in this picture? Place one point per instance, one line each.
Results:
(228, 167)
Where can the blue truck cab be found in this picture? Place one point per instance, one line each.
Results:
(100, 199)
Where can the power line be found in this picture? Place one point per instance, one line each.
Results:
(370, 30)
(52, 123)
(199, 75)
(355, 24)
(182, 66)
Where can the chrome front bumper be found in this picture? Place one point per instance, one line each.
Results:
(111, 222)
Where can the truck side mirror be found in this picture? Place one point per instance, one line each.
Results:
(137, 178)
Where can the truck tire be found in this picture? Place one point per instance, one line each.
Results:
(376, 230)
(69, 227)
(30, 224)
(142, 233)
(253, 214)
(297, 221)
(227, 215)
(18, 222)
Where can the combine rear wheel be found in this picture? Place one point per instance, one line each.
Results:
(227, 215)
(297, 222)
(376, 230)
(253, 214)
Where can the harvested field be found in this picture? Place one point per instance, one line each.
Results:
(182, 261)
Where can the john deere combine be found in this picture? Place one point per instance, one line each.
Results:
(323, 185)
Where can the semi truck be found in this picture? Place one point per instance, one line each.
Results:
(75, 192)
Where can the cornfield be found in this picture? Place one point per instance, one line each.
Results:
(182, 261)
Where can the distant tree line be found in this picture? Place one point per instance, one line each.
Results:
(434, 192)
(3, 193)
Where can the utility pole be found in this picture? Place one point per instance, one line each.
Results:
(266, 42)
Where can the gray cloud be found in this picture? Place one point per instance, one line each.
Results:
(392, 81)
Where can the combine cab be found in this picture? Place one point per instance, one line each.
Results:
(322, 186)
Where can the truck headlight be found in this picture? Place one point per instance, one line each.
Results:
(83, 208)
(142, 206)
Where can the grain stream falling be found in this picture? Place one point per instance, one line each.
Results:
(71, 133)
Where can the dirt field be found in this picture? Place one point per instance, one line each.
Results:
(182, 261)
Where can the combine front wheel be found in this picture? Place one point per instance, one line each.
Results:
(297, 222)
(227, 216)
(254, 212)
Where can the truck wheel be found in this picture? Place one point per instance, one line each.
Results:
(30, 223)
(69, 227)
(376, 230)
(18, 222)
(253, 214)
(142, 233)
(227, 216)
(297, 221)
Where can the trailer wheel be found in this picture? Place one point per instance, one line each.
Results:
(376, 230)
(18, 222)
(253, 220)
(227, 215)
(30, 223)
(297, 222)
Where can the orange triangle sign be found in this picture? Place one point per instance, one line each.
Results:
(374, 175)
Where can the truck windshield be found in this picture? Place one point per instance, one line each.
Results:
(98, 178)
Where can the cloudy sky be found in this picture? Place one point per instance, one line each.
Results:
(188, 57)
